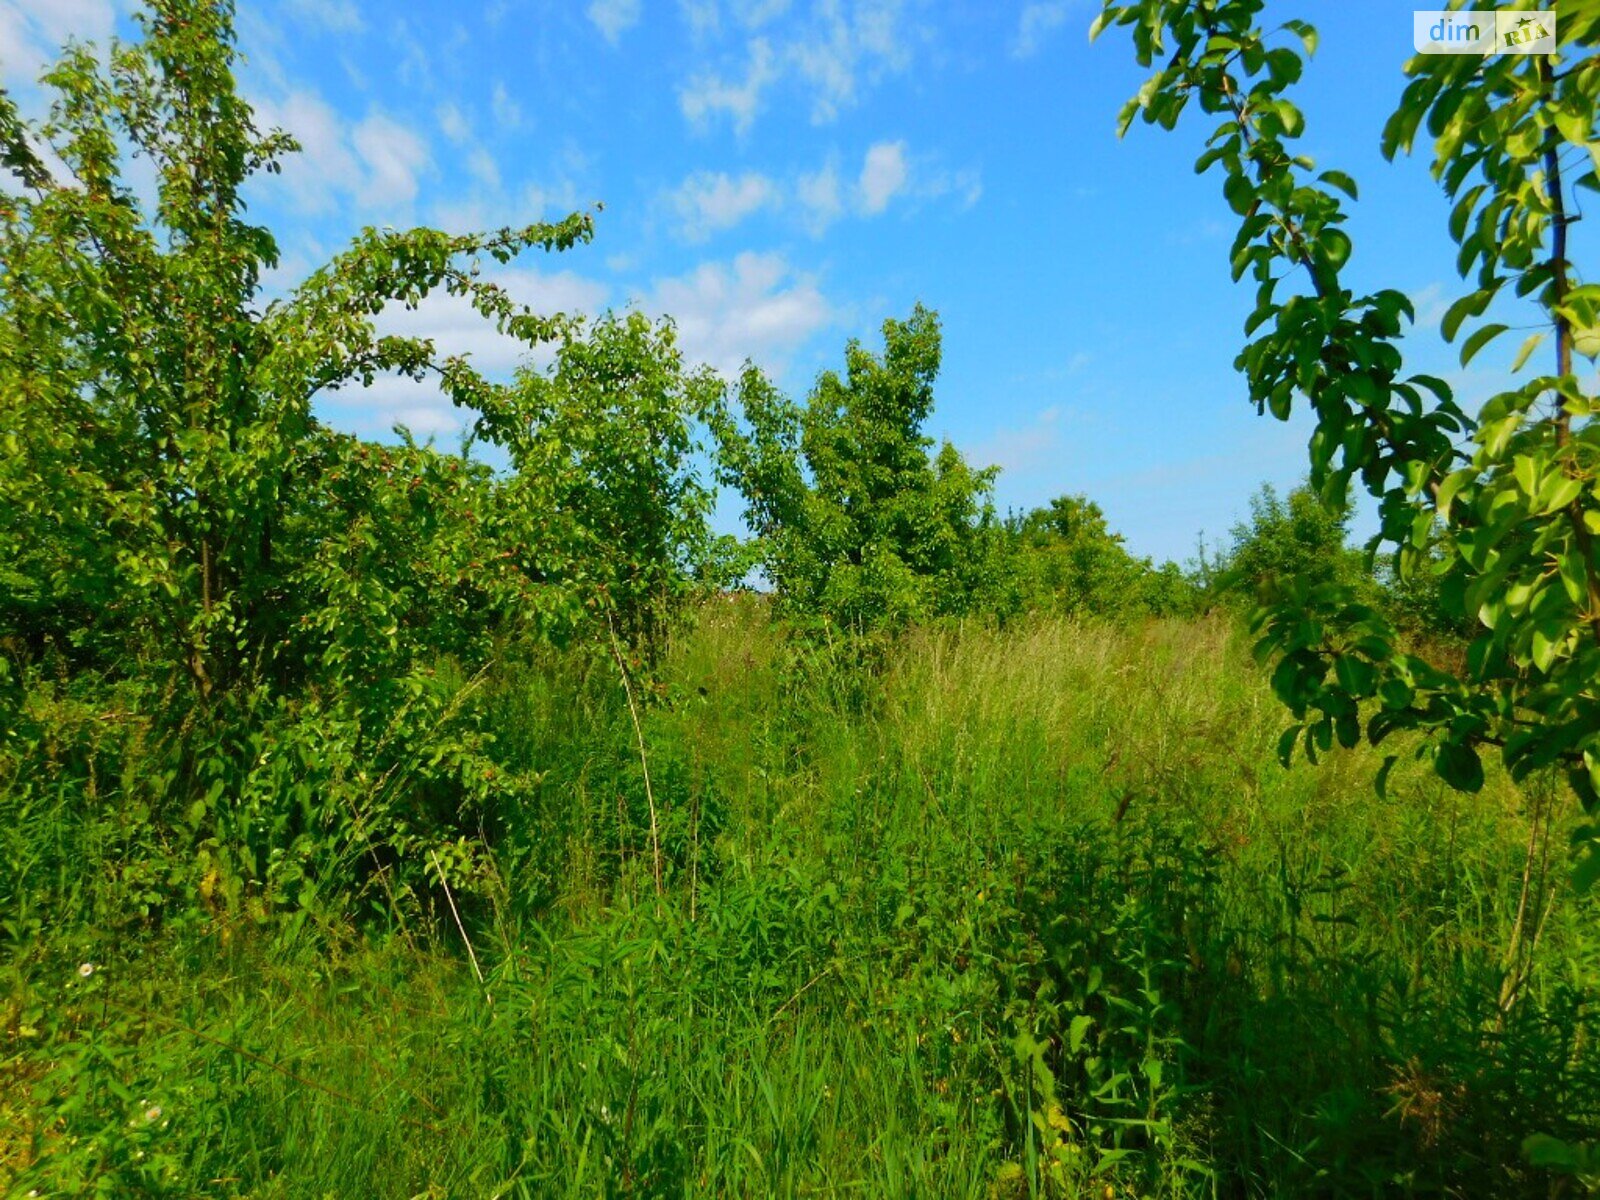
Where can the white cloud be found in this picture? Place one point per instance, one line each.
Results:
(613, 18)
(32, 32)
(393, 156)
(453, 123)
(710, 201)
(507, 112)
(1036, 445)
(702, 16)
(753, 308)
(484, 169)
(326, 167)
(709, 94)
(832, 49)
(820, 198)
(535, 202)
(966, 185)
(412, 64)
(843, 42)
(1039, 20)
(456, 328)
(883, 176)
(375, 162)
(705, 16)
(338, 16)
(753, 14)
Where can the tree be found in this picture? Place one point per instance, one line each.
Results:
(1067, 560)
(612, 436)
(172, 514)
(1504, 503)
(852, 517)
(158, 417)
(1293, 541)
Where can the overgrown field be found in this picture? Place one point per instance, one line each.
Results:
(977, 912)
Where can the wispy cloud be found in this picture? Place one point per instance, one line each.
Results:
(375, 162)
(1039, 20)
(709, 95)
(613, 18)
(32, 32)
(1037, 444)
(710, 201)
(755, 307)
(393, 156)
(336, 16)
(883, 176)
(507, 112)
(820, 196)
(830, 51)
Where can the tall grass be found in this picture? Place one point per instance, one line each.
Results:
(986, 913)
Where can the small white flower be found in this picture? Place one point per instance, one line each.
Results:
(85, 970)
(152, 1114)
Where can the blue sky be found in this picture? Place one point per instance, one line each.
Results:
(780, 175)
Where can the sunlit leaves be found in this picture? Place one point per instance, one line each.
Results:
(1514, 509)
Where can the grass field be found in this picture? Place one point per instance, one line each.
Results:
(977, 913)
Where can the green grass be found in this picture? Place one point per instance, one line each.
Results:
(986, 913)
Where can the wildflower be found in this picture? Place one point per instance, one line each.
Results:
(152, 1114)
(85, 970)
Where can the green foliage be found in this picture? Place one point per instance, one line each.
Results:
(1066, 560)
(363, 833)
(300, 618)
(853, 518)
(610, 442)
(1293, 541)
(1028, 911)
(1508, 521)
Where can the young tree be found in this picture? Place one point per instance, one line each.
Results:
(172, 514)
(1515, 488)
(1066, 559)
(853, 518)
(612, 437)
(158, 418)
(1294, 541)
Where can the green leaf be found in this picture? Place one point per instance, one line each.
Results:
(1240, 193)
(1381, 783)
(1586, 871)
(1307, 33)
(1526, 352)
(1574, 121)
(1470, 305)
(1356, 676)
(1336, 247)
(1341, 181)
(1286, 743)
(1459, 766)
(1480, 338)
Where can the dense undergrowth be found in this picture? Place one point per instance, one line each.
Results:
(970, 912)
